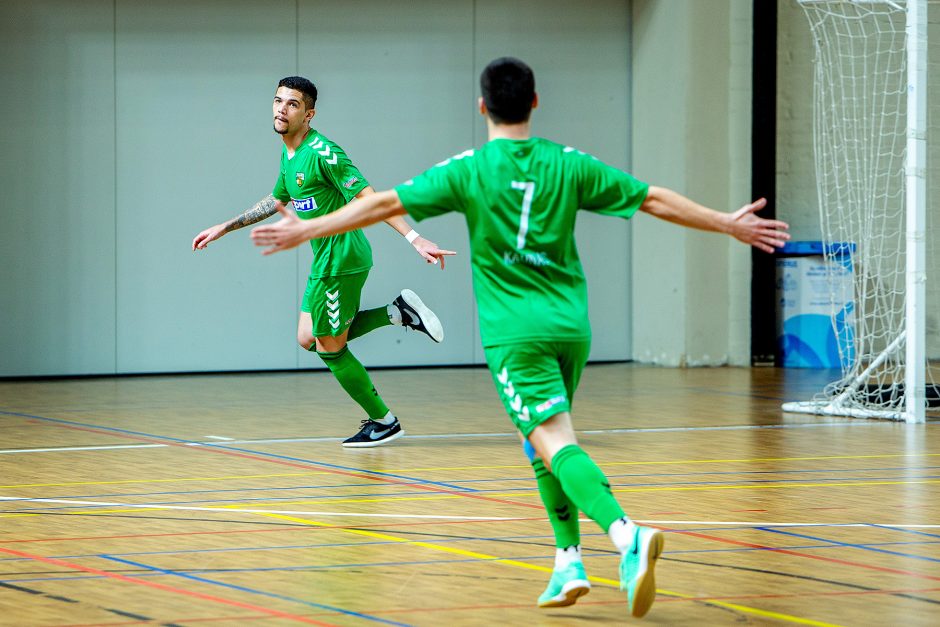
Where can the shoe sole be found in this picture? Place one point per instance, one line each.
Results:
(645, 592)
(428, 318)
(374, 443)
(572, 591)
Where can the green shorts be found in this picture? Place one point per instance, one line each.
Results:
(536, 380)
(333, 301)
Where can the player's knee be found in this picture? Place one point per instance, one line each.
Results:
(306, 340)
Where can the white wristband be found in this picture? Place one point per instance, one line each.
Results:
(411, 236)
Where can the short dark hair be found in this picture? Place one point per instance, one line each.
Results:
(508, 87)
(304, 86)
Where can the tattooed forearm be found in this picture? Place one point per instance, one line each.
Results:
(264, 208)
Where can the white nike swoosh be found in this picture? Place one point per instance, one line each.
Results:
(375, 435)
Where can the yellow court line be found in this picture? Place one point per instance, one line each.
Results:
(534, 493)
(383, 499)
(517, 495)
(492, 558)
(683, 461)
(123, 481)
(453, 468)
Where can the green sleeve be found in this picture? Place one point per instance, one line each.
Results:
(436, 191)
(607, 190)
(345, 176)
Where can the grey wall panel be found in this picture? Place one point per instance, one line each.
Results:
(57, 285)
(165, 130)
(396, 92)
(581, 60)
(196, 147)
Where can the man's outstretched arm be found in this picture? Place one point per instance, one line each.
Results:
(290, 231)
(743, 225)
(264, 208)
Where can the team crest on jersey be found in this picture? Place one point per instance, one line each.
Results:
(299, 179)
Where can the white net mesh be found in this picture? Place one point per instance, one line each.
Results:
(859, 140)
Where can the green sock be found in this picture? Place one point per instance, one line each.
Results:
(586, 485)
(355, 380)
(561, 511)
(368, 320)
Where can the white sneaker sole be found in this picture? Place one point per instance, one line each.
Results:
(645, 591)
(428, 317)
(374, 443)
(570, 593)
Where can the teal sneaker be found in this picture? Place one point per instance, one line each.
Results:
(565, 586)
(636, 570)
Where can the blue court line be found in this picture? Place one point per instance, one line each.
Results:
(237, 449)
(253, 591)
(863, 547)
(903, 530)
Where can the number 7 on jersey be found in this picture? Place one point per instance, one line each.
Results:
(528, 190)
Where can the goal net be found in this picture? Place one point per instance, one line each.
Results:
(870, 94)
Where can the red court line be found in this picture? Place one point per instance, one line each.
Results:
(284, 462)
(166, 588)
(822, 558)
(174, 621)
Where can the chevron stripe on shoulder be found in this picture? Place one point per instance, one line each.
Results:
(325, 148)
(463, 155)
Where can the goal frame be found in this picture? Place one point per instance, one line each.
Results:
(913, 337)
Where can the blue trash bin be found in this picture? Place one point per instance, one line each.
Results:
(813, 280)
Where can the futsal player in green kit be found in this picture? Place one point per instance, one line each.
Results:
(317, 177)
(520, 196)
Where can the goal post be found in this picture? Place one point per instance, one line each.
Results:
(870, 147)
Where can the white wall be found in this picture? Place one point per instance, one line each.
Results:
(797, 201)
(691, 121)
(129, 126)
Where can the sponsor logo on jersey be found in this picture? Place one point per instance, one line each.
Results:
(303, 205)
(543, 407)
(536, 259)
(299, 179)
(348, 183)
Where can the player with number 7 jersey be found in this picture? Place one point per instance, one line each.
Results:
(520, 199)
(520, 196)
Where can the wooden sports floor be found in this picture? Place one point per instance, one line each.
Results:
(228, 500)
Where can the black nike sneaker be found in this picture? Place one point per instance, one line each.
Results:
(416, 315)
(374, 433)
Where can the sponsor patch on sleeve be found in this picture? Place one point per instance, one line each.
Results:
(348, 183)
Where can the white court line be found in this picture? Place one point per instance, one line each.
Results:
(219, 437)
(453, 436)
(80, 448)
(757, 523)
(697, 523)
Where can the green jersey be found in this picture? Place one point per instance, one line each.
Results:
(319, 179)
(520, 199)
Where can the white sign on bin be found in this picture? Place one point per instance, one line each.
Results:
(816, 307)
